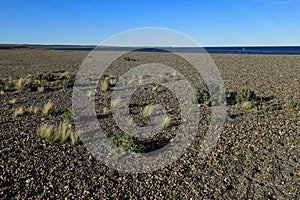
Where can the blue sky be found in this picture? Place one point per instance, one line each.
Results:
(211, 23)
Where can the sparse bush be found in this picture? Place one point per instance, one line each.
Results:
(71, 81)
(127, 142)
(294, 105)
(46, 77)
(266, 106)
(130, 59)
(68, 116)
(202, 94)
(47, 108)
(247, 105)
(231, 97)
(245, 94)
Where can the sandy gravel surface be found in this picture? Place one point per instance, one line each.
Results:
(256, 157)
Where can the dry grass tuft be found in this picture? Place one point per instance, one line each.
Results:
(147, 111)
(60, 133)
(41, 89)
(247, 105)
(74, 138)
(64, 75)
(105, 111)
(18, 112)
(21, 84)
(12, 101)
(104, 85)
(33, 110)
(47, 108)
(167, 121)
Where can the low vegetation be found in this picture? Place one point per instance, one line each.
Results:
(18, 112)
(61, 132)
(22, 84)
(294, 105)
(167, 121)
(147, 111)
(127, 142)
(47, 108)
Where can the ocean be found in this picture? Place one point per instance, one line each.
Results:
(287, 50)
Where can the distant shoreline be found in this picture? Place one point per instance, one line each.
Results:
(280, 50)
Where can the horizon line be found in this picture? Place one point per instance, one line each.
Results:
(203, 46)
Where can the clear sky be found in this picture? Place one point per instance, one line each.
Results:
(210, 22)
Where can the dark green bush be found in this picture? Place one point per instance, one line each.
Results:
(127, 142)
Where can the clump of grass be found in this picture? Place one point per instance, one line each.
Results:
(247, 105)
(33, 110)
(105, 111)
(202, 94)
(2, 92)
(245, 94)
(18, 112)
(294, 105)
(69, 81)
(41, 89)
(167, 121)
(20, 84)
(64, 75)
(127, 142)
(154, 89)
(63, 131)
(37, 81)
(230, 97)
(104, 85)
(147, 111)
(113, 81)
(59, 133)
(12, 101)
(46, 132)
(74, 138)
(68, 116)
(266, 106)
(47, 108)
(130, 59)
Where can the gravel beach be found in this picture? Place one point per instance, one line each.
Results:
(256, 157)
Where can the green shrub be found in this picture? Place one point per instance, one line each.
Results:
(294, 105)
(231, 97)
(266, 106)
(127, 142)
(68, 116)
(245, 94)
(202, 94)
